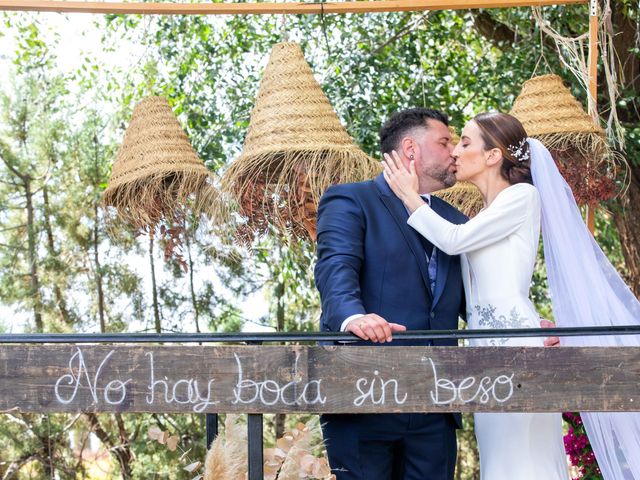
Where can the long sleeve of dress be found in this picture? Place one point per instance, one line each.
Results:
(503, 217)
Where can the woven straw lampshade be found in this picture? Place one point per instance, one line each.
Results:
(549, 112)
(547, 109)
(156, 172)
(295, 148)
(463, 195)
(455, 138)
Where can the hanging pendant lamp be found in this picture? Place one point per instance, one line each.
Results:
(549, 112)
(295, 148)
(157, 172)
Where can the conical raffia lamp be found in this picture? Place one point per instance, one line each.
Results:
(463, 195)
(157, 173)
(549, 112)
(294, 150)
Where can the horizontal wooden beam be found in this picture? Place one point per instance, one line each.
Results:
(340, 379)
(266, 8)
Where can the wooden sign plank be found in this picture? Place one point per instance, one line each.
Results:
(266, 8)
(332, 379)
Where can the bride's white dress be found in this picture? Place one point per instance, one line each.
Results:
(498, 248)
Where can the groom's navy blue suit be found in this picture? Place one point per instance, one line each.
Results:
(371, 261)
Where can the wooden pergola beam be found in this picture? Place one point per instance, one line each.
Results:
(266, 8)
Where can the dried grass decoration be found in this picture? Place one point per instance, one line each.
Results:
(292, 458)
(294, 150)
(157, 176)
(227, 458)
(550, 113)
(464, 196)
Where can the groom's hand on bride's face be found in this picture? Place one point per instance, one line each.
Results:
(374, 328)
(549, 341)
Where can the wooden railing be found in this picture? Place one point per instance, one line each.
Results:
(62, 373)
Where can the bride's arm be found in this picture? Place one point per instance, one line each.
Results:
(503, 217)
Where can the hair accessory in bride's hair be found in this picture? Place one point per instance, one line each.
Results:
(519, 152)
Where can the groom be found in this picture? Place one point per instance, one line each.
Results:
(376, 276)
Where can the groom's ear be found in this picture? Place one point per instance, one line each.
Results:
(407, 147)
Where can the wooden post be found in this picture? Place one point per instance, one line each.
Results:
(593, 89)
(593, 57)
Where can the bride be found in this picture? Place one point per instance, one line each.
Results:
(521, 187)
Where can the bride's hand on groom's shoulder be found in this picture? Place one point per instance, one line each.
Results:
(549, 341)
(374, 328)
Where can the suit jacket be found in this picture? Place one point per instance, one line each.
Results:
(371, 261)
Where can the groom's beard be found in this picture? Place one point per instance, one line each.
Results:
(443, 175)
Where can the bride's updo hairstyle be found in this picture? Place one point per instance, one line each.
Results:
(506, 133)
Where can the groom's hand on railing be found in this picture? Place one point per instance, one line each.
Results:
(374, 328)
(549, 341)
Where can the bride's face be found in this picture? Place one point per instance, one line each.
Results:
(470, 154)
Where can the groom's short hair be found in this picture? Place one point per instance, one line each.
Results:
(400, 123)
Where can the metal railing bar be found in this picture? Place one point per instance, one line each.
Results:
(211, 422)
(255, 445)
(234, 337)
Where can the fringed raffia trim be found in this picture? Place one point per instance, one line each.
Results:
(148, 201)
(283, 189)
(590, 146)
(592, 152)
(464, 196)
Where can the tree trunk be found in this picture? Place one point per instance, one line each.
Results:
(34, 291)
(98, 271)
(121, 451)
(194, 302)
(627, 67)
(125, 454)
(57, 291)
(154, 288)
(279, 294)
(626, 216)
(625, 41)
(625, 213)
(16, 465)
(47, 443)
(96, 238)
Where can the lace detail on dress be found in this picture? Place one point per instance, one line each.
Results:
(488, 319)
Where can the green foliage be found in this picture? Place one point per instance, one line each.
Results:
(60, 132)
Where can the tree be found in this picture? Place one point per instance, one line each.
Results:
(506, 32)
(30, 150)
(209, 68)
